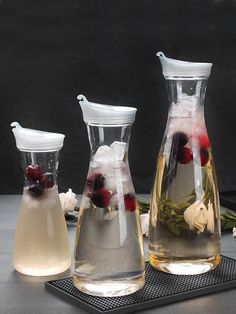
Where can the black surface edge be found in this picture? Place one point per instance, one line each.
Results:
(227, 203)
(146, 304)
(66, 296)
(226, 199)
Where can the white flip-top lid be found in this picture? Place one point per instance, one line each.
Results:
(106, 114)
(35, 140)
(176, 68)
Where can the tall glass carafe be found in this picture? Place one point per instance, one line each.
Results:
(184, 235)
(41, 246)
(108, 254)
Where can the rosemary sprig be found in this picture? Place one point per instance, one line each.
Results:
(143, 204)
(227, 217)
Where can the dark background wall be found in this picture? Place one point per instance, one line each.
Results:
(50, 51)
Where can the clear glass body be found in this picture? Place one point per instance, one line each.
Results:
(108, 253)
(41, 246)
(184, 235)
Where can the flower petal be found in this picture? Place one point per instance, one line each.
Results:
(234, 232)
(196, 216)
(144, 218)
(68, 201)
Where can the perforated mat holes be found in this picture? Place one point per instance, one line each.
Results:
(160, 288)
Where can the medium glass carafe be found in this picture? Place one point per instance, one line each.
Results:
(108, 254)
(41, 246)
(184, 235)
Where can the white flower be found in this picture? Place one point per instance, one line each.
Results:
(68, 201)
(196, 216)
(234, 232)
(144, 218)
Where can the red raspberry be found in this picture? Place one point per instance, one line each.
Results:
(101, 198)
(130, 202)
(203, 141)
(204, 156)
(180, 139)
(33, 172)
(47, 180)
(36, 189)
(95, 182)
(184, 155)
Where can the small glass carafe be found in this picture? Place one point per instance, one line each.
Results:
(108, 254)
(41, 245)
(184, 234)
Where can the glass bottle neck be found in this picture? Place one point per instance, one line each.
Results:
(39, 164)
(186, 96)
(101, 135)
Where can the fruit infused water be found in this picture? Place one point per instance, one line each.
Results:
(108, 256)
(41, 245)
(184, 235)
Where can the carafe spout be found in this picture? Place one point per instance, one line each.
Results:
(173, 68)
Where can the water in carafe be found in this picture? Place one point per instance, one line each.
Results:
(184, 235)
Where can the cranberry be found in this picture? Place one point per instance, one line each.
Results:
(95, 182)
(47, 180)
(184, 155)
(180, 139)
(33, 172)
(204, 156)
(101, 198)
(130, 202)
(36, 189)
(203, 141)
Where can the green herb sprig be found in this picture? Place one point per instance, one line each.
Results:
(227, 217)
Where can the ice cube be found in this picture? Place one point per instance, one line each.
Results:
(178, 124)
(93, 164)
(127, 187)
(124, 168)
(118, 150)
(185, 106)
(103, 154)
(111, 181)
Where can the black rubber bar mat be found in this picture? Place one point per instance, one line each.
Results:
(160, 288)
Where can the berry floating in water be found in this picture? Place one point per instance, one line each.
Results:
(184, 155)
(101, 198)
(95, 182)
(33, 172)
(36, 189)
(203, 141)
(130, 202)
(204, 156)
(180, 139)
(47, 180)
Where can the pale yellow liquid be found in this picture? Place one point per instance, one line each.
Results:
(41, 245)
(189, 251)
